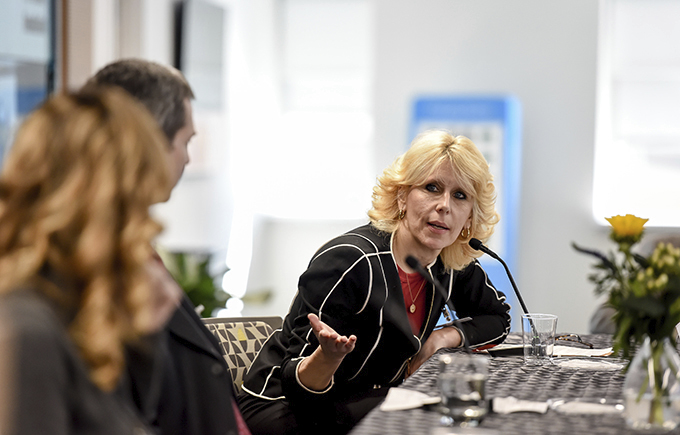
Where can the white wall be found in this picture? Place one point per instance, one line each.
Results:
(545, 54)
(281, 252)
(198, 215)
(542, 52)
(300, 136)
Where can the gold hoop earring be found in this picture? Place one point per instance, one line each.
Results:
(402, 213)
(465, 233)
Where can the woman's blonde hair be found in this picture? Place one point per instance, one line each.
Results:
(74, 218)
(427, 153)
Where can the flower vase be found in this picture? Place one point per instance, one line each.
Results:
(652, 387)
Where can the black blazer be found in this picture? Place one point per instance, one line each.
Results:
(194, 393)
(353, 285)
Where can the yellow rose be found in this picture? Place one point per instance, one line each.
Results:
(626, 230)
(627, 226)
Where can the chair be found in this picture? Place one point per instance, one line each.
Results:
(241, 338)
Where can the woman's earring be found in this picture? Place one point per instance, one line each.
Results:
(402, 213)
(465, 233)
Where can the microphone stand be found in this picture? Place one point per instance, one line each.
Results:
(477, 245)
(414, 264)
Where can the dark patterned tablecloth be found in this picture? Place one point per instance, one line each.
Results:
(509, 377)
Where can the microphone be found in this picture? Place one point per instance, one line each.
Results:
(477, 245)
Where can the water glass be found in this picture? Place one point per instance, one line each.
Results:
(462, 385)
(538, 337)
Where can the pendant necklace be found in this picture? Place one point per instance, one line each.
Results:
(412, 308)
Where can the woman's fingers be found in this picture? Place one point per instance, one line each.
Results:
(351, 342)
(330, 340)
(317, 324)
(320, 328)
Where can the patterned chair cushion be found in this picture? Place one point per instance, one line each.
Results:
(240, 341)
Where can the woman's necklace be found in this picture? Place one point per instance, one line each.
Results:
(412, 308)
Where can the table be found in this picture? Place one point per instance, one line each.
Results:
(509, 377)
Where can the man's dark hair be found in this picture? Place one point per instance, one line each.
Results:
(160, 88)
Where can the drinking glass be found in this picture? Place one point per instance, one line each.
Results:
(538, 337)
(462, 384)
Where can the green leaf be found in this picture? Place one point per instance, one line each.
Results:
(646, 306)
(605, 261)
(192, 273)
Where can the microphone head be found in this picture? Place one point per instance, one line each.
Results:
(476, 244)
(413, 262)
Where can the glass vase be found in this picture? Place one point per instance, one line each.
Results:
(652, 387)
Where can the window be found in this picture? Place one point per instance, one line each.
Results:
(637, 144)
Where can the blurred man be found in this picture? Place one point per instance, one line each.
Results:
(192, 392)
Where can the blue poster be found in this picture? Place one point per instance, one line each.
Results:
(494, 125)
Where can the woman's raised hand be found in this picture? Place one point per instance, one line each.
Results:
(333, 344)
(316, 371)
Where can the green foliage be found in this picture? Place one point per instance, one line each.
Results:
(192, 273)
(645, 292)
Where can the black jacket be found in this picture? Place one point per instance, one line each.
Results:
(192, 393)
(353, 285)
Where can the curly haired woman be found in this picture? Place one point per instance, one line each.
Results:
(79, 282)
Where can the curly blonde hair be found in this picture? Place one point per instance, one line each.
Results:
(74, 210)
(427, 153)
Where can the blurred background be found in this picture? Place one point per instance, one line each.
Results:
(300, 105)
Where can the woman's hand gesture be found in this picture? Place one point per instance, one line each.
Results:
(334, 345)
(316, 371)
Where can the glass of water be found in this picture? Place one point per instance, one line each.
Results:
(462, 385)
(538, 337)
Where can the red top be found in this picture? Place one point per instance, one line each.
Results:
(418, 291)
